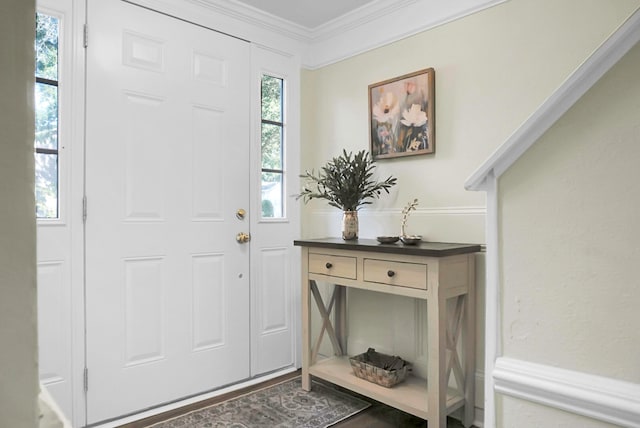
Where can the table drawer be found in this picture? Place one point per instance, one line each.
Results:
(412, 275)
(338, 266)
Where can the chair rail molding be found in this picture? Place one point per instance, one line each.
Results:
(386, 212)
(609, 400)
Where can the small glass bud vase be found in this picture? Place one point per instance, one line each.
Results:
(349, 225)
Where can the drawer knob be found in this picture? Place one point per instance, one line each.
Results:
(390, 273)
(329, 265)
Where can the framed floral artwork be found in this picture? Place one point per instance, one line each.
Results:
(402, 115)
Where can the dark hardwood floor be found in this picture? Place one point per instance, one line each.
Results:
(376, 416)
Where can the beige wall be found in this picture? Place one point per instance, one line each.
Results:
(493, 69)
(570, 271)
(18, 339)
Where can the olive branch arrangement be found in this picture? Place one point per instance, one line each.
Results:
(345, 182)
(411, 206)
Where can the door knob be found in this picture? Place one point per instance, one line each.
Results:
(243, 238)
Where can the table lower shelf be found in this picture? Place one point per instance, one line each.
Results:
(410, 396)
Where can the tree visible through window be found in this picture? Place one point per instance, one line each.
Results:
(272, 146)
(46, 106)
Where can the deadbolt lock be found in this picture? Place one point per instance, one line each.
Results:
(240, 214)
(243, 238)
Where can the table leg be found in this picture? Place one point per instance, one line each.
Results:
(470, 345)
(437, 395)
(341, 317)
(306, 321)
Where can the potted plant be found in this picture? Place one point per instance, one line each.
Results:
(347, 183)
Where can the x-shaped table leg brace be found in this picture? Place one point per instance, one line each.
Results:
(326, 322)
(453, 333)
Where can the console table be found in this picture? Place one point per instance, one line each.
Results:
(436, 272)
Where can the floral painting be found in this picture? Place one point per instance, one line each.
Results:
(401, 115)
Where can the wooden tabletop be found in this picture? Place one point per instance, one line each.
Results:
(423, 248)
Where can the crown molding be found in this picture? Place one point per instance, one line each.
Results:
(361, 16)
(259, 18)
(360, 31)
(256, 17)
(353, 33)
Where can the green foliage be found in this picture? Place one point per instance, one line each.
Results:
(47, 46)
(46, 116)
(271, 98)
(271, 146)
(272, 92)
(267, 208)
(345, 182)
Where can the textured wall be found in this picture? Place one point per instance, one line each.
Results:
(18, 337)
(570, 271)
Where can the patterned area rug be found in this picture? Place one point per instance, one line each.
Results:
(284, 405)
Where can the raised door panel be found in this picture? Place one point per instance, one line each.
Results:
(54, 330)
(145, 323)
(209, 311)
(274, 327)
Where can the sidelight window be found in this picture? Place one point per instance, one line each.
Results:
(47, 117)
(272, 147)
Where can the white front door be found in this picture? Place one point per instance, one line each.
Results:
(167, 285)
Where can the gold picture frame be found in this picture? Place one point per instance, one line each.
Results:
(402, 115)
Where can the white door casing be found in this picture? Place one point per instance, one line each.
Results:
(167, 285)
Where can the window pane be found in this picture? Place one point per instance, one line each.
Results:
(271, 146)
(46, 185)
(46, 116)
(271, 98)
(271, 194)
(46, 46)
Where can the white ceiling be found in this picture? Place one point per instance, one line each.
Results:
(307, 13)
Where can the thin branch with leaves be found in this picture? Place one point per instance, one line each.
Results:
(405, 215)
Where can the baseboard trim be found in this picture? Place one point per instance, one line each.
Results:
(606, 399)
